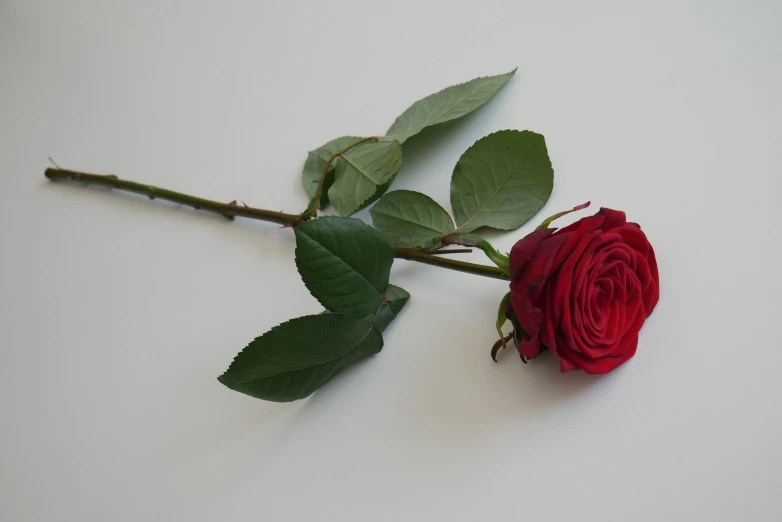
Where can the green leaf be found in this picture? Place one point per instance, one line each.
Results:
(382, 189)
(316, 161)
(410, 219)
(294, 359)
(449, 104)
(397, 298)
(501, 181)
(360, 171)
(344, 263)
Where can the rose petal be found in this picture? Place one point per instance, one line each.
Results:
(522, 251)
(654, 290)
(608, 363)
(611, 219)
(527, 287)
(635, 238)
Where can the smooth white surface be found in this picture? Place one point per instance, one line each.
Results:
(118, 313)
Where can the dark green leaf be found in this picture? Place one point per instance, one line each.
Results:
(316, 161)
(449, 104)
(294, 359)
(344, 263)
(360, 171)
(410, 219)
(501, 181)
(397, 298)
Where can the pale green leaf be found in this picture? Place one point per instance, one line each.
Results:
(449, 104)
(360, 171)
(294, 359)
(315, 163)
(410, 219)
(397, 297)
(344, 263)
(501, 181)
(350, 189)
(382, 189)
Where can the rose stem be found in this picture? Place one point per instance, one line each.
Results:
(227, 210)
(231, 210)
(411, 254)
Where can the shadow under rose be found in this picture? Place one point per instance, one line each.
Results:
(548, 383)
(499, 393)
(455, 394)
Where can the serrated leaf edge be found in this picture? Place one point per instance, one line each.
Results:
(380, 292)
(415, 131)
(374, 210)
(459, 228)
(344, 158)
(371, 323)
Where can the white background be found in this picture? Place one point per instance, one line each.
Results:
(118, 313)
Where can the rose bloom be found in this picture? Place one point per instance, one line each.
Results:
(584, 291)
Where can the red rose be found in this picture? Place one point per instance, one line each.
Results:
(584, 291)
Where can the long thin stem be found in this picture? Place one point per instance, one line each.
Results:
(411, 254)
(227, 210)
(231, 210)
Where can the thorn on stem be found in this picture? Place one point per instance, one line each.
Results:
(54, 163)
(441, 251)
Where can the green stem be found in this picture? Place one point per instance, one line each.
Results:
(474, 240)
(231, 210)
(411, 254)
(312, 208)
(227, 210)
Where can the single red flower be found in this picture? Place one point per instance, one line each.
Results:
(584, 291)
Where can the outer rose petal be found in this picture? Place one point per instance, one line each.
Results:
(522, 251)
(652, 260)
(527, 288)
(635, 238)
(566, 366)
(606, 364)
(611, 219)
